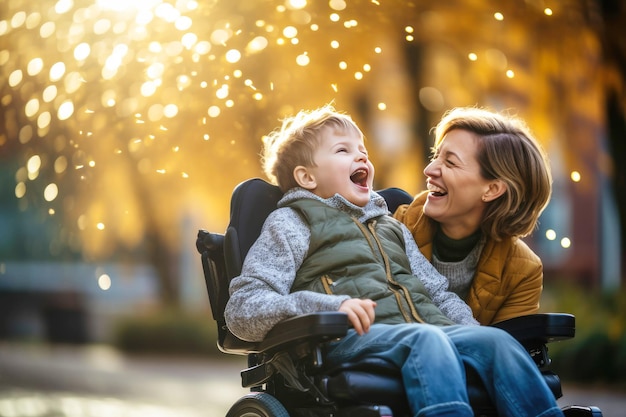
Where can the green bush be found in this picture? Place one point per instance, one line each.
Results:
(167, 333)
(598, 351)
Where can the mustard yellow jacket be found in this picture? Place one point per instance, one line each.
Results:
(509, 276)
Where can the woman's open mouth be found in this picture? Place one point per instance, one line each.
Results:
(436, 191)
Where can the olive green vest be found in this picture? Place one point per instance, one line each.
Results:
(363, 261)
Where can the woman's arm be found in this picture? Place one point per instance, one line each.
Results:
(524, 298)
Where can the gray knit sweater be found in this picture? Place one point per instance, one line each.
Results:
(260, 297)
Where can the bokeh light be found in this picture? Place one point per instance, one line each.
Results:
(113, 106)
(104, 282)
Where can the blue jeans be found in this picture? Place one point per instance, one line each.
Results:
(432, 361)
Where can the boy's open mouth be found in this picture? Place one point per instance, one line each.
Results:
(359, 177)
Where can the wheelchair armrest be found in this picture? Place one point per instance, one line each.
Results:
(322, 326)
(287, 335)
(540, 328)
(314, 327)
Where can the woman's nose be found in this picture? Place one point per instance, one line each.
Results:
(431, 168)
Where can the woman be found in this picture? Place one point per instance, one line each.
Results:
(487, 184)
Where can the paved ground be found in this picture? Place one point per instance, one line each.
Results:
(40, 381)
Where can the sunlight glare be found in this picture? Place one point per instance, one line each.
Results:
(125, 5)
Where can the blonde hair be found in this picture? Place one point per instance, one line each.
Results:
(295, 142)
(507, 151)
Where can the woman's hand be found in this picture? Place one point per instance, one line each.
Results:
(361, 313)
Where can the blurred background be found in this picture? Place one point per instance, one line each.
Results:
(126, 124)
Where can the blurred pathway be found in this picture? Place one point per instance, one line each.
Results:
(44, 381)
(98, 381)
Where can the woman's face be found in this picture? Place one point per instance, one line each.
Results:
(457, 188)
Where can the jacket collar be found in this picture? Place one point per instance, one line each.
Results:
(375, 207)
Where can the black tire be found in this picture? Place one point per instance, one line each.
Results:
(257, 404)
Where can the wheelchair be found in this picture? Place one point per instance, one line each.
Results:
(287, 375)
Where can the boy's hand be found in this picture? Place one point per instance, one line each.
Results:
(360, 313)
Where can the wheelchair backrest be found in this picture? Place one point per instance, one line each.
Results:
(252, 201)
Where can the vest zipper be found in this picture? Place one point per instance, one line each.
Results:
(327, 282)
(403, 291)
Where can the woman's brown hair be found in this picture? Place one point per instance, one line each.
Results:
(507, 151)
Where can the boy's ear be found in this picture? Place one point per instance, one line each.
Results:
(496, 189)
(304, 178)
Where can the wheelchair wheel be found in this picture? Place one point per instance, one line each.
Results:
(257, 404)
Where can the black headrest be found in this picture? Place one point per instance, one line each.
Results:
(395, 197)
(252, 201)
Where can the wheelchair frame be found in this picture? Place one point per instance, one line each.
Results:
(286, 373)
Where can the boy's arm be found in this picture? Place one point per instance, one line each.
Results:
(437, 285)
(261, 296)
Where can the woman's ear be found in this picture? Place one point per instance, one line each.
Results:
(496, 189)
(304, 178)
